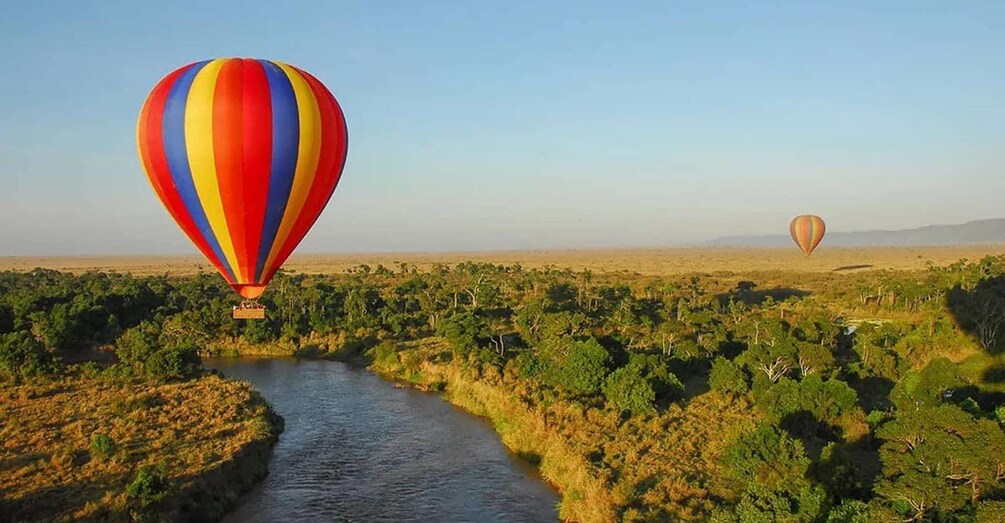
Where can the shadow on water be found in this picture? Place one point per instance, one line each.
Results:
(747, 293)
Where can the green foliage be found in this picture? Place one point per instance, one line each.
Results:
(463, 330)
(579, 367)
(727, 377)
(877, 418)
(150, 485)
(850, 511)
(826, 400)
(22, 356)
(928, 387)
(529, 365)
(937, 460)
(771, 471)
(102, 447)
(628, 390)
(990, 512)
(385, 354)
(141, 349)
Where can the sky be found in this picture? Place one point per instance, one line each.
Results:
(529, 124)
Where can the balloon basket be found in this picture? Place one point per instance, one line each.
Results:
(249, 310)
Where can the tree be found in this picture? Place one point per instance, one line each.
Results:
(928, 387)
(727, 377)
(628, 390)
(463, 330)
(579, 367)
(771, 471)
(143, 349)
(22, 356)
(939, 461)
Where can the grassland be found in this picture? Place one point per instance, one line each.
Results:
(655, 262)
(210, 437)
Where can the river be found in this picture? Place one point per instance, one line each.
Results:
(356, 448)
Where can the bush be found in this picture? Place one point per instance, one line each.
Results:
(102, 447)
(22, 356)
(727, 377)
(150, 486)
(385, 354)
(628, 390)
(141, 349)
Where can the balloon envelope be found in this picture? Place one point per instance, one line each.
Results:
(807, 231)
(245, 155)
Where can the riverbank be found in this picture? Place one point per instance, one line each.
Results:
(525, 430)
(90, 446)
(606, 468)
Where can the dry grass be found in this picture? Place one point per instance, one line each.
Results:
(198, 429)
(643, 261)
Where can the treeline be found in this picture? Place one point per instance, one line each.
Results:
(874, 396)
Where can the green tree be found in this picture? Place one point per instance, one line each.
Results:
(22, 356)
(938, 461)
(579, 367)
(463, 330)
(727, 377)
(771, 472)
(628, 390)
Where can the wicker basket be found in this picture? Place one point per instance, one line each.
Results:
(249, 314)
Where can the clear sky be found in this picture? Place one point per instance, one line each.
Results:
(508, 125)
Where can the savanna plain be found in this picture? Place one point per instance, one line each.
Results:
(729, 385)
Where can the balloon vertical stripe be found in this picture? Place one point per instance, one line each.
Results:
(332, 154)
(149, 140)
(176, 151)
(285, 144)
(202, 159)
(307, 158)
(807, 231)
(245, 155)
(257, 134)
(228, 147)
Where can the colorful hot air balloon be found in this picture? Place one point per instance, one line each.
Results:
(807, 231)
(245, 155)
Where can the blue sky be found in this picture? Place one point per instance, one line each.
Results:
(509, 125)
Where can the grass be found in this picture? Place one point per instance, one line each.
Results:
(69, 448)
(662, 262)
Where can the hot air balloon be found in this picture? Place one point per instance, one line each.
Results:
(244, 154)
(807, 230)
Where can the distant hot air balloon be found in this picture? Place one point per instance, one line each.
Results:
(807, 231)
(245, 155)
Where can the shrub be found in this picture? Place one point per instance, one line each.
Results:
(463, 331)
(385, 354)
(102, 447)
(850, 511)
(150, 486)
